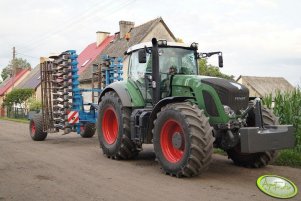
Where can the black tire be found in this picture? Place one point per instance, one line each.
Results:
(88, 130)
(121, 147)
(194, 151)
(255, 160)
(36, 128)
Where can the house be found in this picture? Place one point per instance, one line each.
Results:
(263, 86)
(8, 84)
(89, 56)
(118, 45)
(32, 81)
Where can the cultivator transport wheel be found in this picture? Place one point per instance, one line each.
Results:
(36, 128)
(114, 128)
(88, 130)
(183, 139)
(255, 160)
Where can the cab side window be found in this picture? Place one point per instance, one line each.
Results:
(136, 69)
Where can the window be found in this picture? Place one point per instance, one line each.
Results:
(183, 60)
(85, 62)
(137, 70)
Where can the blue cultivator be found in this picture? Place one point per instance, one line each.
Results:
(63, 105)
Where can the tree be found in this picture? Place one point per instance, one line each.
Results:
(5, 72)
(17, 96)
(34, 104)
(16, 63)
(210, 70)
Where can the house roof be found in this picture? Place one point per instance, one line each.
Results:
(118, 46)
(32, 80)
(4, 82)
(9, 83)
(266, 85)
(90, 53)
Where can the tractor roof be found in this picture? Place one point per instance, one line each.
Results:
(149, 44)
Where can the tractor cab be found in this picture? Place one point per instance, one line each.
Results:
(174, 59)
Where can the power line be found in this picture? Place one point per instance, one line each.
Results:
(70, 24)
(27, 55)
(111, 11)
(71, 20)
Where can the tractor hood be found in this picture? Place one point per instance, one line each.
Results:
(231, 93)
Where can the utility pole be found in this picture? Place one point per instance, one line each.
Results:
(14, 52)
(13, 67)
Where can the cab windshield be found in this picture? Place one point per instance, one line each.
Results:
(172, 61)
(177, 61)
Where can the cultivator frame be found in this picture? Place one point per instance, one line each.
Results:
(61, 95)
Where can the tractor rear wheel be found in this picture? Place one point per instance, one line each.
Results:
(255, 160)
(36, 128)
(114, 128)
(183, 139)
(88, 130)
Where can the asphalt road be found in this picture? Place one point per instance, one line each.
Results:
(68, 167)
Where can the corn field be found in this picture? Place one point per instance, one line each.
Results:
(287, 106)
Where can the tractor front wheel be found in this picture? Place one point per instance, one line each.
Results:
(183, 139)
(114, 128)
(255, 160)
(36, 128)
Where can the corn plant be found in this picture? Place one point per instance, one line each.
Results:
(268, 101)
(288, 109)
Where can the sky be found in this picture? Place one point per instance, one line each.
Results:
(257, 37)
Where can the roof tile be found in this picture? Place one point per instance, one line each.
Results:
(11, 81)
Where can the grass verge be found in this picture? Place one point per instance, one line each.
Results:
(26, 121)
(288, 157)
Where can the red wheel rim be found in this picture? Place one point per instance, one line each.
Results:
(82, 128)
(32, 128)
(170, 152)
(110, 125)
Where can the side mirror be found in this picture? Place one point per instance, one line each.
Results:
(142, 56)
(220, 61)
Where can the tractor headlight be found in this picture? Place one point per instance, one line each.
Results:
(229, 111)
(162, 42)
(194, 45)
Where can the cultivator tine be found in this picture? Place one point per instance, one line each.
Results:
(62, 89)
(59, 126)
(59, 90)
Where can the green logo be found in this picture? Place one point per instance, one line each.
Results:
(277, 186)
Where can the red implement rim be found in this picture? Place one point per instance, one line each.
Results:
(110, 125)
(82, 128)
(32, 128)
(171, 153)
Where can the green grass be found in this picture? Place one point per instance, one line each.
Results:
(26, 121)
(219, 151)
(289, 157)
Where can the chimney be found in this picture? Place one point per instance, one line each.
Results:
(125, 27)
(100, 36)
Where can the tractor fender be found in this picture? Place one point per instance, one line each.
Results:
(157, 108)
(122, 92)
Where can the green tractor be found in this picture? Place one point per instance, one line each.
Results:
(165, 102)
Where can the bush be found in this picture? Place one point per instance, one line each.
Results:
(34, 104)
(17, 96)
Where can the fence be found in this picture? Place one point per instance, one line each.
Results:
(17, 113)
